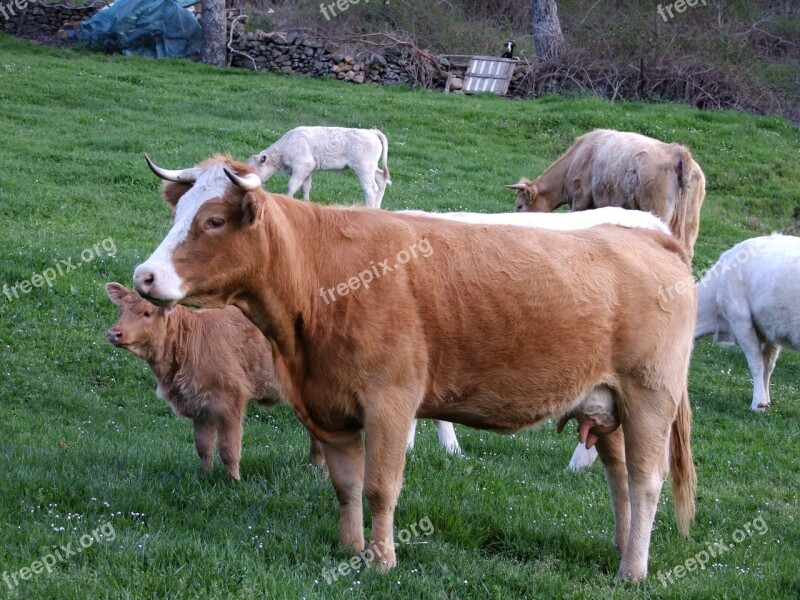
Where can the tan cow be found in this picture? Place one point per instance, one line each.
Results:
(377, 317)
(619, 168)
(208, 364)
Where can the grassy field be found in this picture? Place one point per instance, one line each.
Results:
(87, 446)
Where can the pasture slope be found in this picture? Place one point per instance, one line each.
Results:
(86, 444)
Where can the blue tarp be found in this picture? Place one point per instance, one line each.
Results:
(154, 28)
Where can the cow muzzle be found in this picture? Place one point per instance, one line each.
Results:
(148, 283)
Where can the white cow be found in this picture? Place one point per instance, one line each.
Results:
(566, 221)
(750, 298)
(610, 215)
(304, 150)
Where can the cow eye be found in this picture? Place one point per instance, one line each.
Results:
(148, 314)
(263, 160)
(214, 223)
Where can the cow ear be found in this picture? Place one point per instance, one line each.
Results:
(253, 204)
(172, 192)
(116, 292)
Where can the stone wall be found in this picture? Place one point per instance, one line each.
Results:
(31, 18)
(294, 53)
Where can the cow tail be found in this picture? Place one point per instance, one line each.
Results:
(682, 166)
(385, 155)
(684, 477)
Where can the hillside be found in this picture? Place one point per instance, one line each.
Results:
(86, 443)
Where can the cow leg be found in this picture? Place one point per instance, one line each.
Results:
(230, 444)
(647, 423)
(748, 341)
(582, 458)
(736, 311)
(297, 178)
(447, 437)
(380, 179)
(316, 456)
(307, 188)
(205, 437)
(367, 179)
(611, 449)
(386, 436)
(412, 434)
(770, 354)
(345, 461)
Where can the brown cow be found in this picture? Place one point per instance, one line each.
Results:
(378, 317)
(209, 364)
(619, 168)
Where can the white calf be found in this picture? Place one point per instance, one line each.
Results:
(750, 298)
(567, 221)
(304, 150)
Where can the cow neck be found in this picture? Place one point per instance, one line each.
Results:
(279, 301)
(170, 353)
(283, 307)
(554, 181)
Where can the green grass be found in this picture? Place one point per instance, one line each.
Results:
(86, 442)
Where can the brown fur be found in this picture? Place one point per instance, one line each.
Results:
(485, 331)
(208, 364)
(617, 168)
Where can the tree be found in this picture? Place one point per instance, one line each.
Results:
(213, 50)
(547, 36)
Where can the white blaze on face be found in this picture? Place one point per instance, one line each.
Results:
(168, 285)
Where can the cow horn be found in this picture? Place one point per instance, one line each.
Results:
(178, 176)
(516, 186)
(248, 183)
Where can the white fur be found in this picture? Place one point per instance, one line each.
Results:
(610, 215)
(750, 297)
(446, 433)
(582, 458)
(304, 150)
(211, 183)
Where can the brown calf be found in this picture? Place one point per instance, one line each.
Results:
(379, 317)
(209, 364)
(619, 168)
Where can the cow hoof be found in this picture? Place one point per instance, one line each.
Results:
(761, 407)
(627, 575)
(383, 561)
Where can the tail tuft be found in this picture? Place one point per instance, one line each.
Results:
(684, 477)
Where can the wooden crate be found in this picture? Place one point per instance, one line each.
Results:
(489, 74)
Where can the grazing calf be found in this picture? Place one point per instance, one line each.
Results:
(750, 297)
(495, 327)
(619, 168)
(209, 364)
(304, 150)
